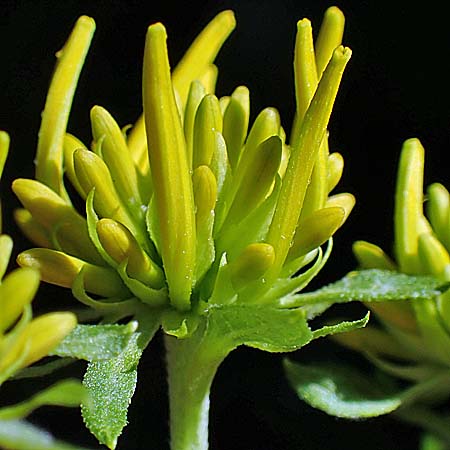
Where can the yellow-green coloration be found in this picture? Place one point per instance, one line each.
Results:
(23, 340)
(416, 332)
(195, 194)
(196, 220)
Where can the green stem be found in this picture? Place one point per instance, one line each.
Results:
(191, 369)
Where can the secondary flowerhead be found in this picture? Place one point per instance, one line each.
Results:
(413, 332)
(194, 206)
(23, 340)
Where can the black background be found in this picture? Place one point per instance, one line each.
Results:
(394, 88)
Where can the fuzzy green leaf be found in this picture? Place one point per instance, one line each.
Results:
(340, 391)
(65, 393)
(374, 286)
(259, 326)
(96, 342)
(111, 385)
(341, 327)
(20, 435)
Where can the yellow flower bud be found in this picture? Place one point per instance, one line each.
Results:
(6, 245)
(49, 158)
(58, 268)
(235, 123)
(371, 256)
(39, 337)
(335, 167)
(57, 216)
(303, 157)
(92, 172)
(170, 170)
(205, 193)
(438, 210)
(408, 206)
(196, 93)
(16, 291)
(433, 255)
(345, 201)
(4, 146)
(251, 264)
(315, 230)
(202, 52)
(208, 120)
(70, 144)
(329, 37)
(32, 229)
(121, 245)
(258, 179)
(116, 155)
(209, 78)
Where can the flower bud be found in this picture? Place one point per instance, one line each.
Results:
(121, 245)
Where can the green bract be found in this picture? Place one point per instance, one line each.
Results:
(196, 221)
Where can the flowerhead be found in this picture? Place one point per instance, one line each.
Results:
(194, 206)
(23, 340)
(413, 332)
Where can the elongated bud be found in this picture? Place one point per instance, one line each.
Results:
(116, 155)
(251, 264)
(303, 157)
(4, 147)
(42, 335)
(170, 170)
(92, 173)
(235, 123)
(408, 205)
(345, 201)
(205, 192)
(202, 52)
(71, 143)
(58, 217)
(209, 78)
(305, 68)
(329, 37)
(121, 245)
(438, 210)
(196, 93)
(267, 124)
(47, 207)
(32, 229)
(258, 179)
(370, 256)
(335, 167)
(6, 245)
(16, 291)
(49, 157)
(433, 255)
(208, 120)
(315, 230)
(58, 268)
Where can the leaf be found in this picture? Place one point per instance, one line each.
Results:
(340, 391)
(373, 286)
(341, 327)
(20, 435)
(96, 342)
(64, 393)
(111, 384)
(259, 326)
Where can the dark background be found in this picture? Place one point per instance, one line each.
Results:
(394, 88)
